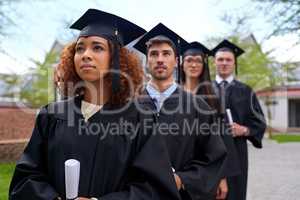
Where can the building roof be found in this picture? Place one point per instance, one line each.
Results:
(287, 90)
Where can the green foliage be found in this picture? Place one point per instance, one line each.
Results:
(6, 172)
(34, 88)
(284, 138)
(254, 65)
(11, 82)
(288, 69)
(38, 88)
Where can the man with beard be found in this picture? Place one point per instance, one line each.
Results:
(197, 156)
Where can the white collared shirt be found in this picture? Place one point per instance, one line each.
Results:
(89, 109)
(229, 79)
(160, 97)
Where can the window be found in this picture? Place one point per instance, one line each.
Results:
(294, 113)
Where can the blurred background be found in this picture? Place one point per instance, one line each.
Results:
(33, 33)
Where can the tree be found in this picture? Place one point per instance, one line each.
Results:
(6, 6)
(10, 83)
(38, 88)
(283, 14)
(4, 19)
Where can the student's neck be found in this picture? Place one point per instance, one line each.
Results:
(97, 93)
(191, 84)
(161, 85)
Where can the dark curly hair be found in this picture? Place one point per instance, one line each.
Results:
(131, 75)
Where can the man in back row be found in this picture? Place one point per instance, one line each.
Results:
(248, 119)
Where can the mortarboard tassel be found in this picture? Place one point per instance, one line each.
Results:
(178, 61)
(116, 64)
(236, 66)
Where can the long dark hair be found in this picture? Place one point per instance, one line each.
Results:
(204, 78)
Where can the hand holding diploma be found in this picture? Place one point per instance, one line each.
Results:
(237, 129)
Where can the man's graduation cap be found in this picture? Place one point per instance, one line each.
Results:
(229, 46)
(160, 31)
(111, 27)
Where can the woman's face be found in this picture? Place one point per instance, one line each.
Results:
(92, 58)
(192, 66)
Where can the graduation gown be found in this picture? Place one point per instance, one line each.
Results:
(196, 155)
(232, 166)
(246, 111)
(119, 164)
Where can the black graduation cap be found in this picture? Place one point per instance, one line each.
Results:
(237, 51)
(194, 48)
(162, 30)
(111, 27)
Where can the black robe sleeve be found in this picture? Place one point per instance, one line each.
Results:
(255, 121)
(150, 176)
(201, 176)
(30, 179)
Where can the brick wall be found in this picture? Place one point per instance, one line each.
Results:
(11, 150)
(16, 126)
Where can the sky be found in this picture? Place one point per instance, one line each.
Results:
(38, 23)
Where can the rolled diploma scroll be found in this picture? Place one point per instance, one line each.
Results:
(228, 112)
(72, 172)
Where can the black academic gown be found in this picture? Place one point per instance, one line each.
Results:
(127, 163)
(196, 155)
(246, 111)
(232, 164)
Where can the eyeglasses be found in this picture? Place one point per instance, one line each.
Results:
(193, 60)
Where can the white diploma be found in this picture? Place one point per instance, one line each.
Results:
(72, 172)
(228, 112)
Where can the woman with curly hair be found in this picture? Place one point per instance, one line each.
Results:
(98, 125)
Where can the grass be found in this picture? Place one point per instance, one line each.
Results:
(284, 138)
(6, 171)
